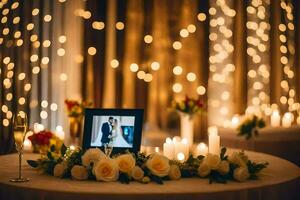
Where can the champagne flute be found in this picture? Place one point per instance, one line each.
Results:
(20, 128)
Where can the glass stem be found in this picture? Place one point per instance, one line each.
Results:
(20, 163)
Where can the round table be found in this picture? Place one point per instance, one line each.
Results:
(279, 181)
(279, 141)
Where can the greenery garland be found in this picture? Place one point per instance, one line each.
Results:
(217, 168)
(250, 126)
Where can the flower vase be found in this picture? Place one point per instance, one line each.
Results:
(187, 128)
(75, 127)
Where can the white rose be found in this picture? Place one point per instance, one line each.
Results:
(79, 172)
(137, 173)
(91, 156)
(106, 170)
(223, 167)
(174, 172)
(59, 170)
(212, 161)
(241, 174)
(158, 165)
(126, 162)
(238, 159)
(204, 169)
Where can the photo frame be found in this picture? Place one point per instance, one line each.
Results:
(122, 127)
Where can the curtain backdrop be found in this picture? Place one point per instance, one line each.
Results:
(40, 62)
(236, 55)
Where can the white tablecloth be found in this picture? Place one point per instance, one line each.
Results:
(282, 142)
(279, 181)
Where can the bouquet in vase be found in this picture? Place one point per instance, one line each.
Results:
(75, 110)
(43, 140)
(187, 108)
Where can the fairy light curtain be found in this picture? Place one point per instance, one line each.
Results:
(40, 62)
(140, 54)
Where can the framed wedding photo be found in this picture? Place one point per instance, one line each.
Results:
(121, 128)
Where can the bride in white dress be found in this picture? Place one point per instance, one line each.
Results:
(117, 135)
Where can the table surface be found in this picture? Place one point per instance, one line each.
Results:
(279, 171)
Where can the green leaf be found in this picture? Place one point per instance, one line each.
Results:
(63, 149)
(222, 154)
(156, 179)
(124, 178)
(33, 163)
(200, 157)
(52, 148)
(49, 155)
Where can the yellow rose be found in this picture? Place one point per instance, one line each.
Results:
(158, 165)
(223, 167)
(79, 172)
(106, 170)
(238, 159)
(181, 105)
(212, 161)
(137, 173)
(241, 174)
(126, 162)
(146, 179)
(92, 156)
(59, 170)
(174, 173)
(204, 169)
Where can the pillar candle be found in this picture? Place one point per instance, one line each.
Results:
(275, 119)
(168, 149)
(201, 149)
(287, 120)
(180, 157)
(156, 149)
(185, 147)
(181, 146)
(213, 140)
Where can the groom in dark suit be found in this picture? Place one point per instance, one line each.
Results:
(106, 130)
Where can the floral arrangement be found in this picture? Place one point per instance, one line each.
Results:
(43, 140)
(188, 105)
(93, 164)
(250, 126)
(76, 108)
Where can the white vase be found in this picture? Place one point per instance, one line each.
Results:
(187, 128)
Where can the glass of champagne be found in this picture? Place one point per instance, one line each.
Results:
(20, 128)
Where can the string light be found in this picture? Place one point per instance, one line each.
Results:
(177, 87)
(191, 76)
(47, 18)
(177, 70)
(201, 17)
(258, 28)
(62, 39)
(114, 63)
(141, 74)
(92, 51)
(155, 66)
(120, 25)
(177, 45)
(35, 11)
(201, 90)
(148, 39)
(63, 77)
(220, 61)
(61, 52)
(98, 25)
(134, 67)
